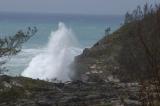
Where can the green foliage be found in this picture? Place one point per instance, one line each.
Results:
(140, 13)
(107, 31)
(11, 94)
(11, 45)
(140, 55)
(106, 104)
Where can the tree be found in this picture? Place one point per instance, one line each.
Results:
(128, 18)
(107, 31)
(139, 58)
(12, 45)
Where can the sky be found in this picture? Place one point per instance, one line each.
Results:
(72, 6)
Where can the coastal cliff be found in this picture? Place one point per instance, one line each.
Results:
(127, 55)
(121, 69)
(93, 84)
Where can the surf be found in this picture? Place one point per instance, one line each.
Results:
(55, 62)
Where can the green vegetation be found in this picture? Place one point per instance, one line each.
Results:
(11, 45)
(130, 54)
(140, 54)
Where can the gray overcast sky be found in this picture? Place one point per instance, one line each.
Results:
(72, 6)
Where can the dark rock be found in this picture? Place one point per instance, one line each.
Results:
(76, 93)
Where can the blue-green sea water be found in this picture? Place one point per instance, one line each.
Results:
(88, 29)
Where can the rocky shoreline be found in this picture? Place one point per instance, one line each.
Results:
(94, 83)
(116, 71)
(20, 91)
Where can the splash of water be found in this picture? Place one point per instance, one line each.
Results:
(55, 62)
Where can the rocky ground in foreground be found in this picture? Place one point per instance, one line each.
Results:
(20, 91)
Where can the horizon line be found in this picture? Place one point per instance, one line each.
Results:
(50, 13)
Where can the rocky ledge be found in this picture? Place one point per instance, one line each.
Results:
(20, 91)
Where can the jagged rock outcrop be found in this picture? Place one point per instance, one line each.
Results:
(101, 59)
(132, 53)
(127, 54)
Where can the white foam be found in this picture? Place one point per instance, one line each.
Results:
(55, 61)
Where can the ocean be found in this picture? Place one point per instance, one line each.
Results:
(86, 29)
